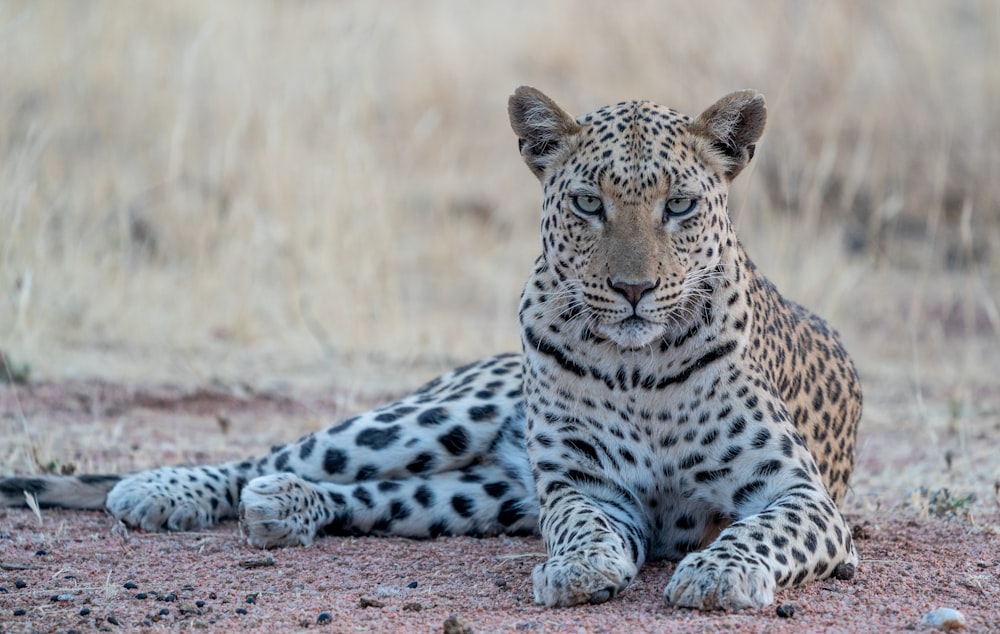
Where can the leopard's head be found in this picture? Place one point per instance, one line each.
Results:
(634, 220)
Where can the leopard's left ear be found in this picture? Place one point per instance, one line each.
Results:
(733, 126)
(543, 129)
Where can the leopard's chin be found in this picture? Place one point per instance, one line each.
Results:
(631, 333)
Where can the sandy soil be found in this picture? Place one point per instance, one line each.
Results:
(82, 570)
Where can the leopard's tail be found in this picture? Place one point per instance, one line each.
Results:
(55, 491)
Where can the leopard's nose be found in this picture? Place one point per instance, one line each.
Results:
(633, 291)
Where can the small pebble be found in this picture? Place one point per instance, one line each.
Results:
(4, 590)
(412, 584)
(130, 586)
(241, 611)
(141, 595)
(164, 611)
(62, 597)
(20, 612)
(19, 583)
(169, 598)
(365, 602)
(112, 620)
(947, 619)
(785, 610)
(41, 552)
(211, 595)
(324, 617)
(199, 603)
(84, 611)
(456, 625)
(251, 599)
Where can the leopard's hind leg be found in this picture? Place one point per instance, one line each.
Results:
(482, 499)
(461, 420)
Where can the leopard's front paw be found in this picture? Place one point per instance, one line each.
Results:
(171, 498)
(705, 581)
(281, 510)
(581, 578)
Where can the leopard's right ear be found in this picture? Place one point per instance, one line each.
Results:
(542, 128)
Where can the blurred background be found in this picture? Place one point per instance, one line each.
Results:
(290, 191)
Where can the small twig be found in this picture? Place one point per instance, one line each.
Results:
(4, 566)
(250, 564)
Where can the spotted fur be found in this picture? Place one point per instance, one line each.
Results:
(670, 403)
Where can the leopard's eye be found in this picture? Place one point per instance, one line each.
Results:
(586, 205)
(677, 207)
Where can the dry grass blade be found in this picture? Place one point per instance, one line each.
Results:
(32, 502)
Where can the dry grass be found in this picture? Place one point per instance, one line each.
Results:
(255, 189)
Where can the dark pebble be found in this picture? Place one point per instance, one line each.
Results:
(251, 599)
(112, 620)
(169, 598)
(785, 610)
(84, 611)
(41, 552)
(412, 584)
(211, 595)
(187, 588)
(61, 597)
(19, 583)
(324, 617)
(20, 612)
(844, 572)
(164, 611)
(130, 586)
(199, 603)
(141, 595)
(4, 590)
(241, 610)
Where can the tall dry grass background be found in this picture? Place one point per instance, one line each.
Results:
(251, 189)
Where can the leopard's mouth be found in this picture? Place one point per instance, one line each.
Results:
(631, 333)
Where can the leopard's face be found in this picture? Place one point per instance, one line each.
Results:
(635, 222)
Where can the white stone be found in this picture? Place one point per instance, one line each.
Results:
(947, 619)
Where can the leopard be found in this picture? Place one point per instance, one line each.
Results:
(668, 401)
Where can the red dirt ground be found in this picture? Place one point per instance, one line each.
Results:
(70, 571)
